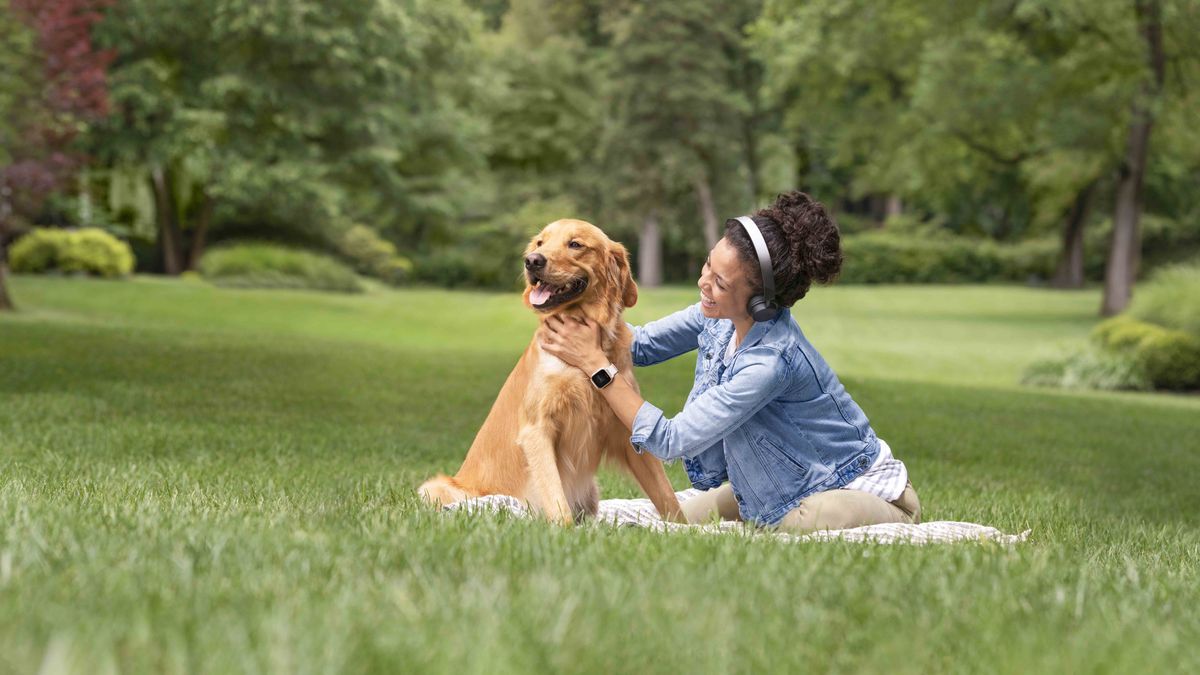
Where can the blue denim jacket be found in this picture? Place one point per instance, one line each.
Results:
(775, 422)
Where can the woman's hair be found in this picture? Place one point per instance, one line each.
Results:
(803, 240)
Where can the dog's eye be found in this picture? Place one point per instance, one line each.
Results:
(539, 243)
(575, 244)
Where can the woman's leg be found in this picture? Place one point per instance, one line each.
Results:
(841, 509)
(718, 503)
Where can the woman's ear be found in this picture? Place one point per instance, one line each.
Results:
(622, 276)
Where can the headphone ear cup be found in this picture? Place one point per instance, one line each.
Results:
(759, 309)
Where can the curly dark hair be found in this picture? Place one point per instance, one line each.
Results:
(804, 242)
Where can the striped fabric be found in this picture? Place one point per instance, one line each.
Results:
(885, 478)
(641, 513)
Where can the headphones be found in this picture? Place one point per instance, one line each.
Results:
(761, 307)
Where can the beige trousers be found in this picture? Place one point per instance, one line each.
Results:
(829, 510)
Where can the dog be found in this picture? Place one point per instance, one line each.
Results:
(549, 428)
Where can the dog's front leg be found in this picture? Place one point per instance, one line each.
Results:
(652, 478)
(545, 483)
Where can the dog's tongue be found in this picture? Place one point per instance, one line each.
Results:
(539, 295)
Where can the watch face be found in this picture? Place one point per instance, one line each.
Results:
(601, 378)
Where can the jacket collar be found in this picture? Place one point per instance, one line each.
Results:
(723, 330)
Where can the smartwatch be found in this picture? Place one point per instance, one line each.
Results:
(604, 377)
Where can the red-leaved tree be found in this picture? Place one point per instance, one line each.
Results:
(68, 93)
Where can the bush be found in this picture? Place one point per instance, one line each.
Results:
(1087, 368)
(261, 265)
(1169, 359)
(1170, 298)
(89, 251)
(374, 256)
(883, 257)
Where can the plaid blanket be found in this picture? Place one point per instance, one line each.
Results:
(641, 513)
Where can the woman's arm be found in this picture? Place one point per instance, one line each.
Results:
(577, 343)
(667, 337)
(709, 418)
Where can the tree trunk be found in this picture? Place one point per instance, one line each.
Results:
(170, 239)
(200, 238)
(5, 301)
(1070, 258)
(1124, 252)
(650, 253)
(894, 207)
(707, 210)
(750, 143)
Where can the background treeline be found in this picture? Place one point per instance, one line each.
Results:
(1018, 140)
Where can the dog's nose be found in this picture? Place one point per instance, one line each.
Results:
(535, 261)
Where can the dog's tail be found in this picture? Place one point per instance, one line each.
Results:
(442, 490)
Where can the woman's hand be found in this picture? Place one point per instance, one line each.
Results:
(575, 341)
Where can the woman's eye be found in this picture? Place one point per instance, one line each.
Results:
(575, 244)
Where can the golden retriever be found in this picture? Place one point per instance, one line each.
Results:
(549, 428)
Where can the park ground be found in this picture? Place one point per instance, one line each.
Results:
(195, 479)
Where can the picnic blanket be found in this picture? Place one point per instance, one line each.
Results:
(641, 513)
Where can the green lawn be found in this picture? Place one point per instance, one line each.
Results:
(204, 480)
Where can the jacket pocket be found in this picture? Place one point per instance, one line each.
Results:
(780, 457)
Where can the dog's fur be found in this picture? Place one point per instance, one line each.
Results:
(549, 428)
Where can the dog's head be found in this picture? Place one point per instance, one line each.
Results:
(572, 262)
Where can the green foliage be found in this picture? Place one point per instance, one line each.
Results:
(488, 255)
(1171, 298)
(261, 265)
(1087, 368)
(296, 117)
(88, 251)
(374, 256)
(1170, 359)
(885, 257)
(1125, 353)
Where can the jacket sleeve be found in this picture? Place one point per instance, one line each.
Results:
(667, 337)
(716, 413)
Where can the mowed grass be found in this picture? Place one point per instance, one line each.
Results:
(203, 480)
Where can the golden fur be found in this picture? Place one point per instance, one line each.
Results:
(549, 428)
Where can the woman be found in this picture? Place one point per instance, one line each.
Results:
(768, 431)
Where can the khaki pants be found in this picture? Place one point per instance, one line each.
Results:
(829, 510)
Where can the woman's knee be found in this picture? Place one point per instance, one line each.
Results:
(716, 504)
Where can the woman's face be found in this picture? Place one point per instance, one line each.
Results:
(724, 290)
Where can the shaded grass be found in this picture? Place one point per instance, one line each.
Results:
(196, 479)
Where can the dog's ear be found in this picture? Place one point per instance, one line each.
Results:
(622, 276)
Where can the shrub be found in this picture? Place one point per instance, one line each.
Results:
(374, 256)
(1087, 368)
(88, 251)
(1169, 359)
(261, 265)
(1170, 298)
(883, 257)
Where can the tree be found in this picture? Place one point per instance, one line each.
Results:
(673, 102)
(53, 86)
(291, 120)
(1006, 115)
(1125, 251)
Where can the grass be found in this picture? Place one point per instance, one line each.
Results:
(196, 479)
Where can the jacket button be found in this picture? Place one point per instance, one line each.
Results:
(708, 355)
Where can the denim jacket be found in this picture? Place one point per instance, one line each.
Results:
(775, 422)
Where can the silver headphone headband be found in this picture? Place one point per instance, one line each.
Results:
(764, 257)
